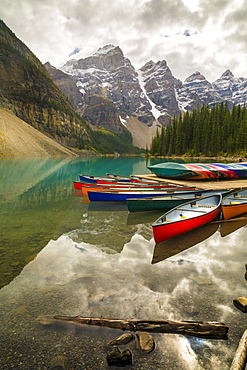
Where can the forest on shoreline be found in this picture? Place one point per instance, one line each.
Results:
(216, 131)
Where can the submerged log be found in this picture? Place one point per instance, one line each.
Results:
(240, 358)
(211, 330)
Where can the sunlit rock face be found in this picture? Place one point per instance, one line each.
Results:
(161, 86)
(108, 73)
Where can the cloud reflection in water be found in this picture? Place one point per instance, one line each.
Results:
(196, 284)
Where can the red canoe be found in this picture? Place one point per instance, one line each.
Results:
(186, 217)
(86, 189)
(135, 186)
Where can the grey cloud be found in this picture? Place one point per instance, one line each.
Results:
(158, 13)
(52, 30)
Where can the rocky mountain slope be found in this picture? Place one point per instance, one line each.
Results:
(104, 97)
(28, 91)
(22, 140)
(150, 95)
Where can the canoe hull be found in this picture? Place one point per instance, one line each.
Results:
(85, 190)
(191, 217)
(203, 173)
(167, 202)
(96, 179)
(234, 204)
(171, 170)
(197, 171)
(165, 232)
(233, 210)
(106, 196)
(152, 204)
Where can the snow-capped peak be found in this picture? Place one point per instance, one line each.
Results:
(108, 49)
(227, 73)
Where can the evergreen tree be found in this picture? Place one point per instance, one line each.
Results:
(208, 131)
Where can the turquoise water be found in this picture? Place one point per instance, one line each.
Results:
(63, 256)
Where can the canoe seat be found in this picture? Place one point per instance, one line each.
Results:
(202, 205)
(193, 210)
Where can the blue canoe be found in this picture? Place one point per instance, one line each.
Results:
(233, 169)
(122, 196)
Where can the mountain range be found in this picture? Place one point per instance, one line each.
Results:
(28, 92)
(102, 103)
(108, 91)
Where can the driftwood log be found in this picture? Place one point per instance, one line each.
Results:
(240, 358)
(210, 330)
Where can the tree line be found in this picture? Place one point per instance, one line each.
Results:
(206, 131)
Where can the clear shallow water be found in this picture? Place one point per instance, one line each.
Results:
(61, 256)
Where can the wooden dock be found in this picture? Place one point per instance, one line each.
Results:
(202, 184)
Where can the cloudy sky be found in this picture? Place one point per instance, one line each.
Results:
(209, 36)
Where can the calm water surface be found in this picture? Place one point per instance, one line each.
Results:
(61, 255)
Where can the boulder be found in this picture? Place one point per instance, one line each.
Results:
(241, 303)
(146, 342)
(59, 363)
(117, 358)
(123, 339)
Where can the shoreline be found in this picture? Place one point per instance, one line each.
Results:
(231, 158)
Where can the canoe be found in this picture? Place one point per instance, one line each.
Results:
(95, 179)
(172, 170)
(232, 174)
(85, 187)
(132, 182)
(168, 201)
(223, 173)
(199, 171)
(113, 179)
(132, 190)
(183, 171)
(241, 171)
(220, 172)
(122, 196)
(134, 178)
(234, 204)
(186, 217)
(202, 172)
(128, 185)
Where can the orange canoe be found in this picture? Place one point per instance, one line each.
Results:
(234, 204)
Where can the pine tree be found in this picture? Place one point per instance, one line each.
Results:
(208, 131)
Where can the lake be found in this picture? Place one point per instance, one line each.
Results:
(61, 255)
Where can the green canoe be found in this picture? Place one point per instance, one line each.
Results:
(172, 170)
